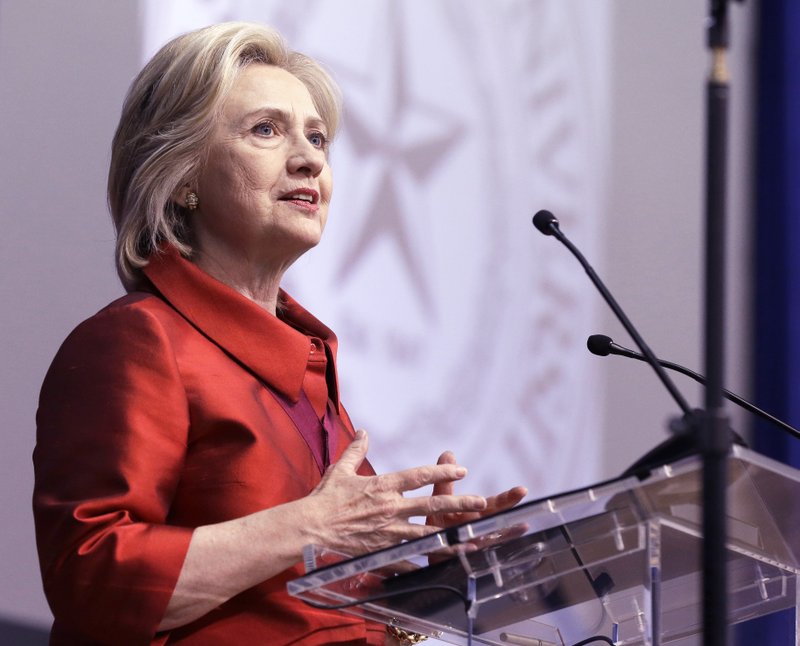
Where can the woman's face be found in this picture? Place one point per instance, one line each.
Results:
(265, 187)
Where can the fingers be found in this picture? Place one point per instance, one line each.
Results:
(410, 479)
(440, 506)
(441, 475)
(448, 457)
(354, 454)
(494, 504)
(446, 487)
(506, 499)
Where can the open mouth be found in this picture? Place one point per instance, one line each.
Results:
(304, 196)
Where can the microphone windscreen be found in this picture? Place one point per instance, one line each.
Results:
(543, 221)
(599, 344)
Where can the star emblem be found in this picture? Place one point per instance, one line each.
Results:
(410, 138)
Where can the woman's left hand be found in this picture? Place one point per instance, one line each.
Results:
(501, 501)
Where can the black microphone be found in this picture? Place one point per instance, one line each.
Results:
(547, 223)
(602, 346)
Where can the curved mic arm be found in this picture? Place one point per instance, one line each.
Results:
(547, 224)
(602, 346)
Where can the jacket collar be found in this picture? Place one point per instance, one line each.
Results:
(276, 349)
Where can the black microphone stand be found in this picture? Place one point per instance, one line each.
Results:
(712, 429)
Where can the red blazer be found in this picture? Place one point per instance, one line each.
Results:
(154, 419)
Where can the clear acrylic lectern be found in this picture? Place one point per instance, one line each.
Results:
(619, 560)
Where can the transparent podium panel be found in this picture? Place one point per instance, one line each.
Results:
(620, 561)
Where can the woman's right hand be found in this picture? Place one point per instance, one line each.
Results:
(346, 512)
(357, 514)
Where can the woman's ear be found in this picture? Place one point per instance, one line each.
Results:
(185, 197)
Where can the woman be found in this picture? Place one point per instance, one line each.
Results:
(190, 435)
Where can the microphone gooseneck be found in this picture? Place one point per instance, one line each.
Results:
(602, 346)
(547, 223)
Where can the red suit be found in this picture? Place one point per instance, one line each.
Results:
(155, 418)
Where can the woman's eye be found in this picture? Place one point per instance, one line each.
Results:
(317, 139)
(266, 129)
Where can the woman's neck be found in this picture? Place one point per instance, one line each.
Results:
(258, 283)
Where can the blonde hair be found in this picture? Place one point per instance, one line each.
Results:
(166, 122)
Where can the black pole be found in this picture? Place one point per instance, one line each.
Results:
(714, 437)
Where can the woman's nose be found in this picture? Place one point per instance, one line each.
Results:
(305, 158)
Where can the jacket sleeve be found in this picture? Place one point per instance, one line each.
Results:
(112, 428)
